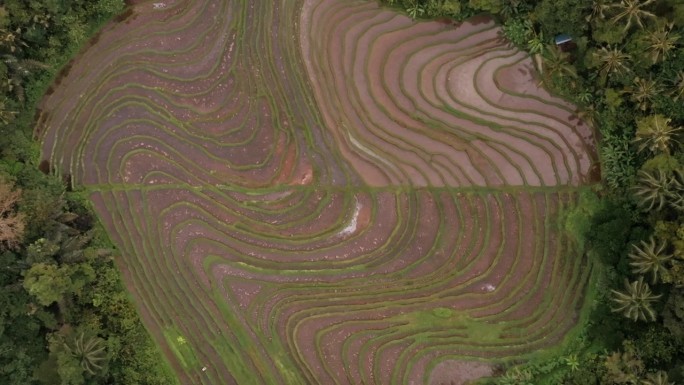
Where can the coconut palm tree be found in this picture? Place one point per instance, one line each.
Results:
(661, 42)
(10, 41)
(649, 258)
(655, 189)
(657, 378)
(598, 7)
(612, 61)
(643, 92)
(632, 12)
(556, 63)
(635, 302)
(89, 351)
(655, 133)
(18, 70)
(624, 367)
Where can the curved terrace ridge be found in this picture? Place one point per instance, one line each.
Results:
(325, 191)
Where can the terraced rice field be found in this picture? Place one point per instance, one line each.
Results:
(325, 191)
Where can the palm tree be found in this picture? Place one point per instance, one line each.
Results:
(633, 12)
(597, 10)
(655, 133)
(635, 302)
(573, 362)
(90, 352)
(649, 258)
(588, 114)
(644, 91)
(585, 96)
(655, 189)
(18, 70)
(661, 42)
(415, 10)
(611, 61)
(11, 40)
(624, 367)
(556, 63)
(658, 378)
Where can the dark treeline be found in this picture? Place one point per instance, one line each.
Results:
(65, 317)
(625, 72)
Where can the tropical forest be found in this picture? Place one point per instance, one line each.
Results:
(341, 192)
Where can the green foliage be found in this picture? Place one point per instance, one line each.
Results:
(69, 370)
(661, 42)
(516, 376)
(624, 367)
(618, 158)
(607, 33)
(673, 315)
(558, 17)
(657, 134)
(650, 258)
(518, 31)
(631, 13)
(444, 8)
(660, 188)
(490, 6)
(47, 282)
(656, 346)
(589, 372)
(643, 92)
(416, 10)
(62, 259)
(180, 348)
(609, 232)
(578, 220)
(610, 62)
(636, 301)
(613, 99)
(658, 378)
(664, 162)
(89, 352)
(573, 362)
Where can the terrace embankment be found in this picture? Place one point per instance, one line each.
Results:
(325, 191)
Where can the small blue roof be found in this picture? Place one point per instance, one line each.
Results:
(562, 38)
